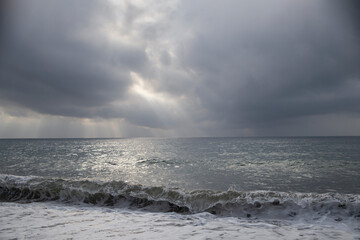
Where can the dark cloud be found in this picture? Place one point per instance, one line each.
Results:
(284, 62)
(53, 60)
(350, 11)
(220, 67)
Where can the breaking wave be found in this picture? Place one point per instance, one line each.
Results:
(252, 204)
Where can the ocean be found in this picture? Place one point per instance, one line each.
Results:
(180, 188)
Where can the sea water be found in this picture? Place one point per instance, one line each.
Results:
(190, 188)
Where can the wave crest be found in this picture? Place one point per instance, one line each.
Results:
(264, 204)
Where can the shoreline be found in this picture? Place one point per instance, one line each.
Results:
(62, 221)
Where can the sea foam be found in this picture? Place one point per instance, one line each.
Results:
(52, 220)
(267, 205)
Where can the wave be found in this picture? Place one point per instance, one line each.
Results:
(251, 204)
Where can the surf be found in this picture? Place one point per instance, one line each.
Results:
(230, 203)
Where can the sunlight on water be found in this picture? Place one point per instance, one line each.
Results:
(281, 164)
(215, 187)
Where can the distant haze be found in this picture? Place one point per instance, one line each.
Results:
(89, 68)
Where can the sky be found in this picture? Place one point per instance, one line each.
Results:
(171, 68)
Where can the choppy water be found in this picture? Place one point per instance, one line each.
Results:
(276, 181)
(245, 164)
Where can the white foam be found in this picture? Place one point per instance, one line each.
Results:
(16, 179)
(52, 220)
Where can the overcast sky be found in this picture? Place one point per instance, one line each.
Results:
(172, 68)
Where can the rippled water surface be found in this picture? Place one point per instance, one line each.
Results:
(311, 164)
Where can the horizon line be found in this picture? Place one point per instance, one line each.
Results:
(90, 138)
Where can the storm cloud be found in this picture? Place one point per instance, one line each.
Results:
(181, 68)
(55, 61)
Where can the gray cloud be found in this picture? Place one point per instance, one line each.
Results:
(52, 61)
(223, 68)
(285, 61)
